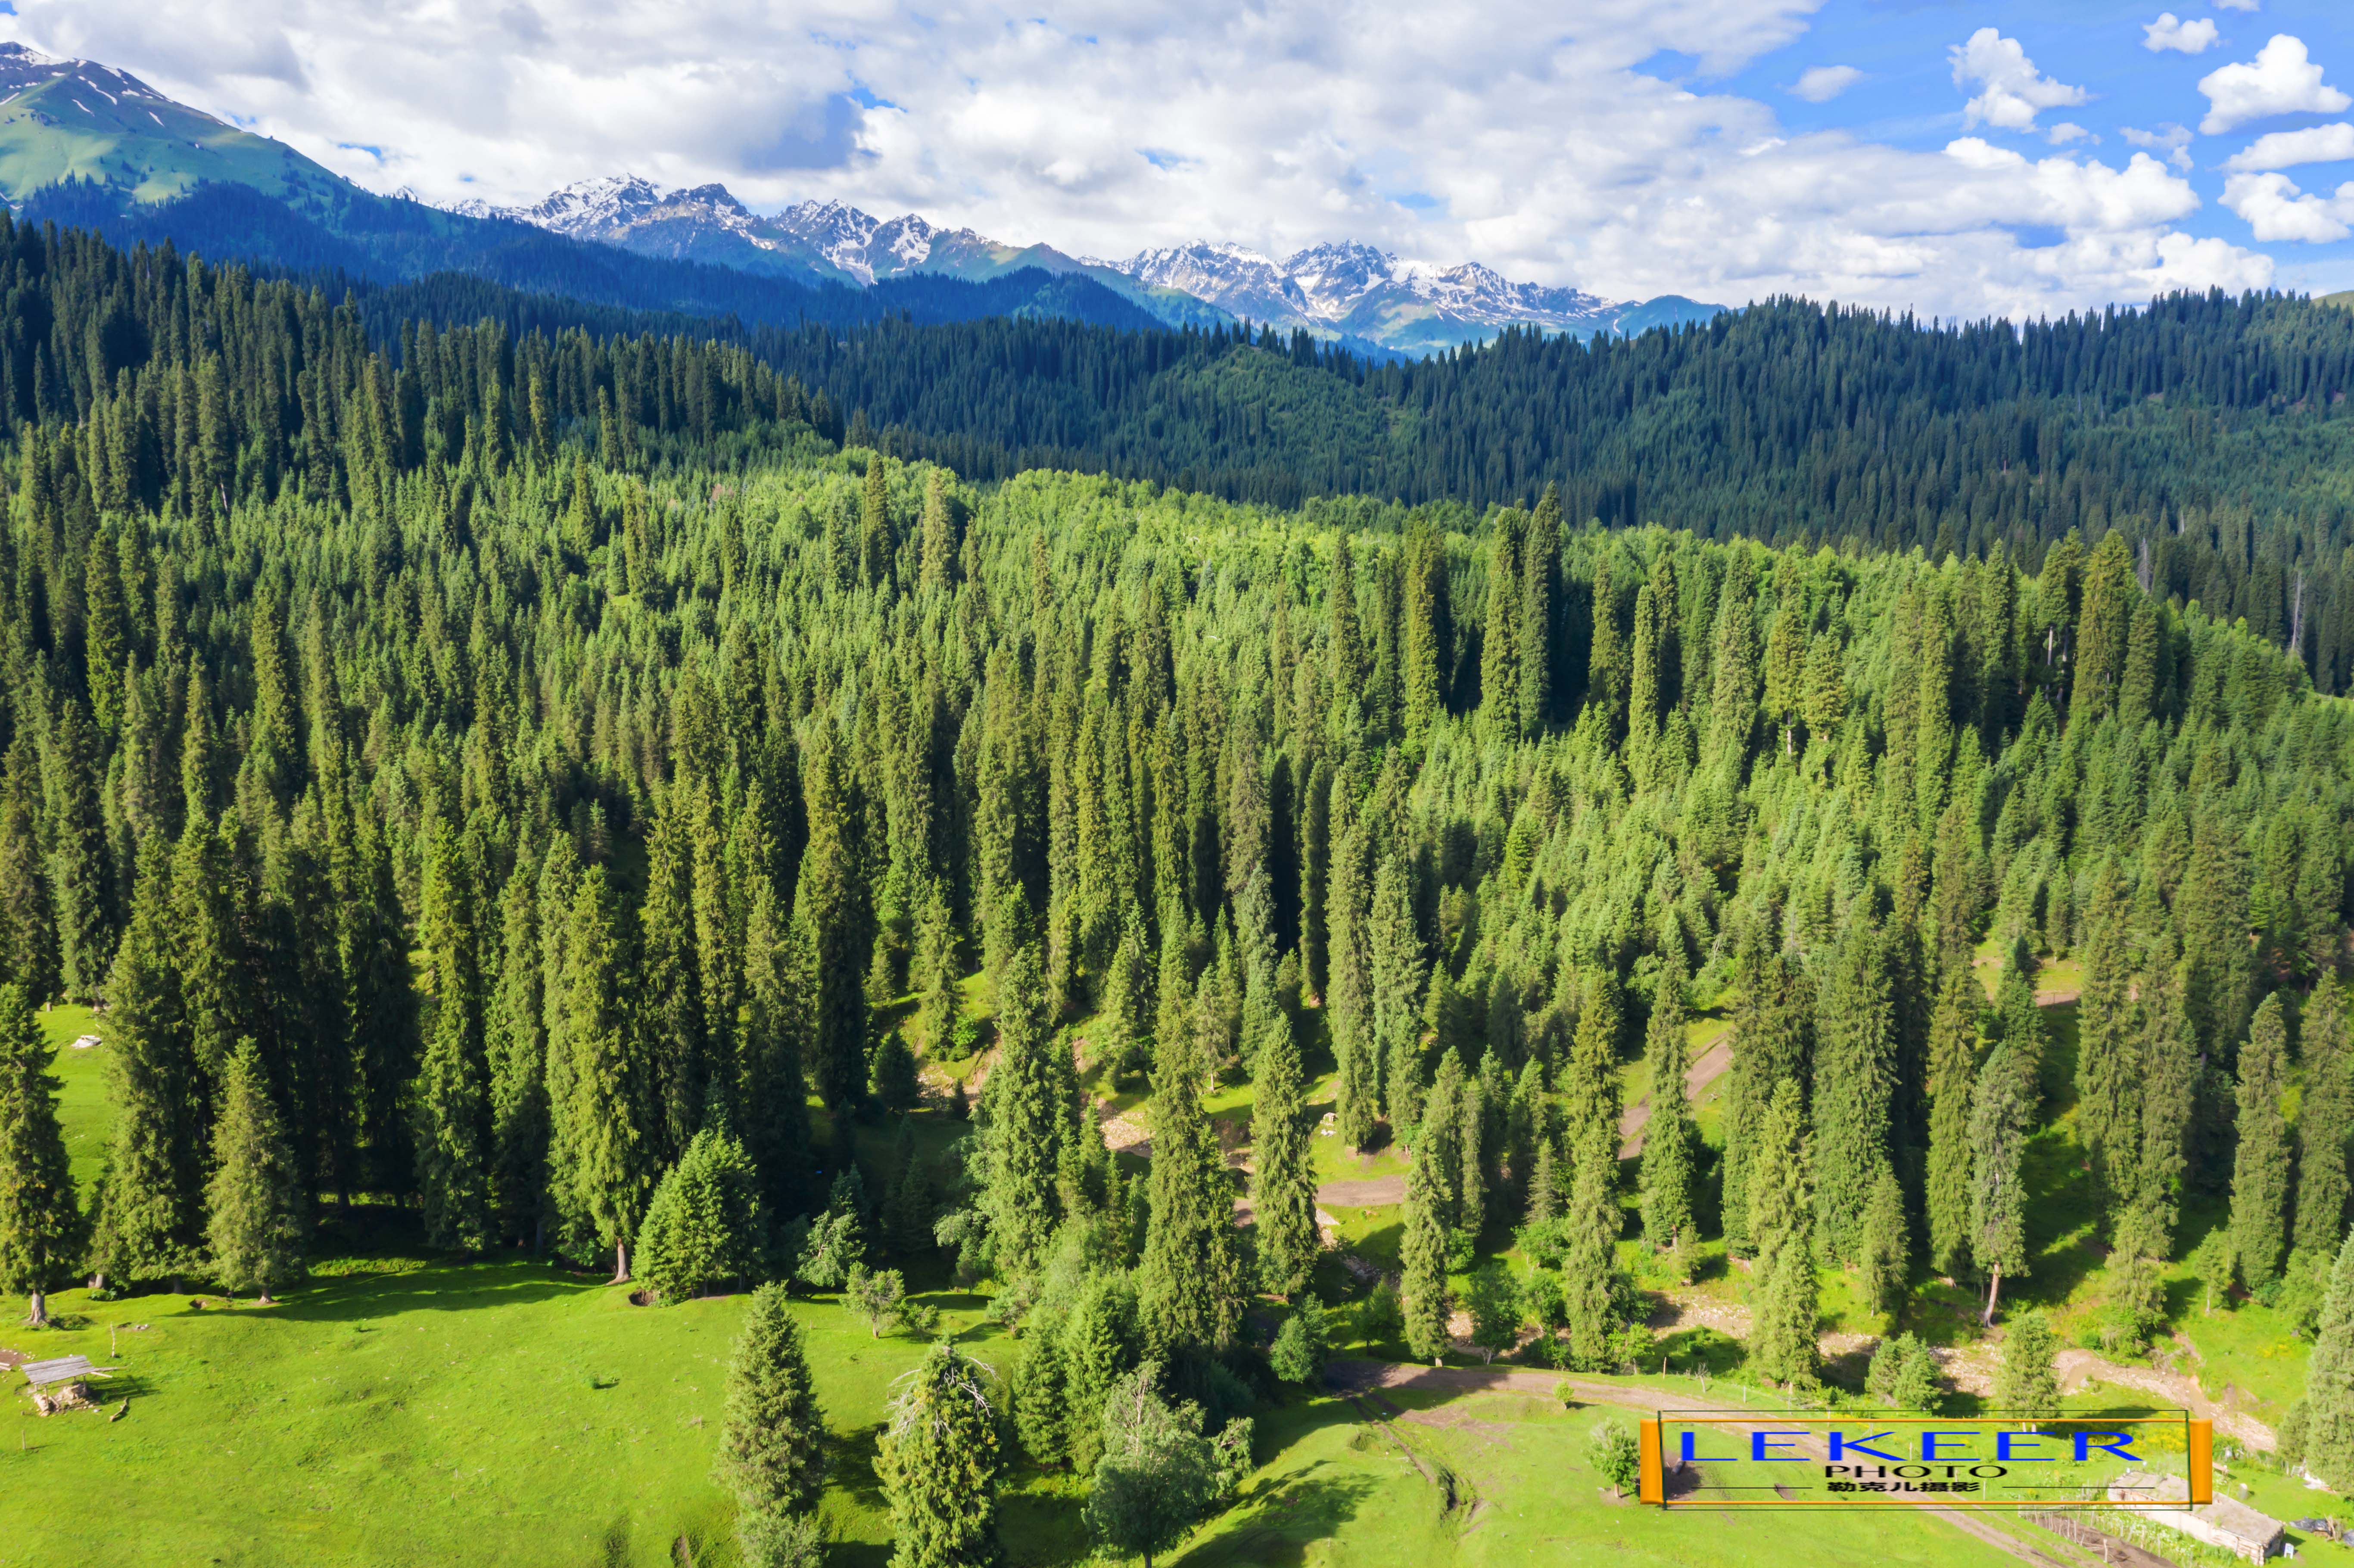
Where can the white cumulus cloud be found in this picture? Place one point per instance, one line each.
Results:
(2281, 80)
(2276, 210)
(2011, 92)
(1820, 84)
(2170, 138)
(2171, 32)
(2287, 149)
(1517, 132)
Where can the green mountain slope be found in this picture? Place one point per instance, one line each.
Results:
(77, 120)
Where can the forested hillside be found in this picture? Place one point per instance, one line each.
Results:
(2212, 432)
(528, 779)
(668, 777)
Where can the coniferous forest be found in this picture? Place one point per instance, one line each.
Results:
(561, 785)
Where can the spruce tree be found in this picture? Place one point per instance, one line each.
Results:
(1399, 969)
(1590, 1081)
(1190, 1283)
(40, 1222)
(453, 1133)
(2108, 1065)
(1773, 1033)
(777, 991)
(1424, 616)
(830, 921)
(2000, 1115)
(1028, 1106)
(2329, 1382)
(1590, 1226)
(1500, 640)
(703, 1226)
(2018, 1021)
(940, 1462)
(1283, 1183)
(2170, 1077)
(1666, 1167)
(1040, 1409)
(772, 1448)
(255, 1197)
(2026, 1386)
(1423, 1251)
(1126, 1021)
(1539, 568)
(150, 1219)
(2259, 1171)
(609, 1166)
(1885, 1253)
(1782, 1341)
(1440, 1138)
(1606, 669)
(1952, 1076)
(515, 1053)
(1101, 1339)
(2325, 1121)
(1855, 1073)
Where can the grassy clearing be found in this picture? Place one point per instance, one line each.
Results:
(1504, 1478)
(405, 1411)
(399, 1410)
(81, 1100)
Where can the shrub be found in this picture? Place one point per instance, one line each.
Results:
(1612, 1451)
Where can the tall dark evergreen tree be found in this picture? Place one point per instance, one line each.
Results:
(1283, 1183)
(940, 1463)
(1953, 1080)
(2000, 1114)
(1190, 1283)
(150, 1202)
(2325, 1121)
(1854, 1090)
(1028, 1109)
(2259, 1171)
(40, 1219)
(606, 1141)
(1668, 1134)
(453, 1134)
(257, 1222)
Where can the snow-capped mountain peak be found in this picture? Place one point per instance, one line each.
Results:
(1233, 277)
(836, 231)
(1335, 276)
(1345, 289)
(1364, 290)
(586, 208)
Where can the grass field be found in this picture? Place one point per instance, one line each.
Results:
(401, 1411)
(403, 1408)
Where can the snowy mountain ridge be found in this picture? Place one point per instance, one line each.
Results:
(1343, 288)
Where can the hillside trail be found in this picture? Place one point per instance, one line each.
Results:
(1351, 1377)
(2077, 1368)
(1706, 1070)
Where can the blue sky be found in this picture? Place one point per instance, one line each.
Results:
(1983, 158)
(1905, 96)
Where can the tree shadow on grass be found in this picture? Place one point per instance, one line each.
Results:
(452, 1287)
(1276, 1526)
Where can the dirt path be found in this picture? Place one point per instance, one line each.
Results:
(1369, 1194)
(2077, 1368)
(1362, 1377)
(1699, 1075)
